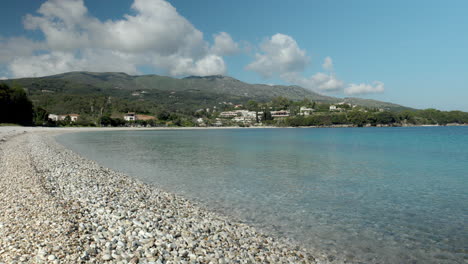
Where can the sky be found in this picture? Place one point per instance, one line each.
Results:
(413, 53)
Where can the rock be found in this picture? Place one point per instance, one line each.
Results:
(106, 257)
(135, 260)
(92, 214)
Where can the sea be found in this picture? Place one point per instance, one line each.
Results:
(367, 195)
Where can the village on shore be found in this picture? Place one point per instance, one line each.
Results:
(235, 115)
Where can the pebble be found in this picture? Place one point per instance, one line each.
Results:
(63, 208)
(106, 257)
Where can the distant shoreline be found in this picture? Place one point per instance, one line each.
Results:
(85, 129)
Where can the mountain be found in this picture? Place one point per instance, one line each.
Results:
(375, 104)
(65, 92)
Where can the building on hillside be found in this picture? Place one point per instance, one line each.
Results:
(280, 114)
(305, 111)
(201, 122)
(228, 114)
(239, 119)
(54, 117)
(218, 122)
(241, 115)
(73, 117)
(332, 107)
(130, 116)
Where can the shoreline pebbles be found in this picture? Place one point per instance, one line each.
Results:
(58, 207)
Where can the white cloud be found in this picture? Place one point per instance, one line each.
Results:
(224, 44)
(60, 61)
(279, 55)
(3, 78)
(155, 34)
(363, 88)
(205, 66)
(321, 82)
(16, 47)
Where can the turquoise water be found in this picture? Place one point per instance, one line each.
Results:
(371, 195)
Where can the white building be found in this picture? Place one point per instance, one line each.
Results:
(305, 111)
(332, 107)
(280, 113)
(54, 117)
(218, 122)
(240, 119)
(242, 116)
(73, 117)
(201, 122)
(228, 114)
(130, 116)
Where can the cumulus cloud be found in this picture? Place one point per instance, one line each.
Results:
(60, 61)
(325, 82)
(363, 88)
(155, 34)
(320, 81)
(16, 47)
(224, 44)
(279, 54)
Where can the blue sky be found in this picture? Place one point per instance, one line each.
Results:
(414, 53)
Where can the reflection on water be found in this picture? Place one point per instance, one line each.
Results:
(387, 195)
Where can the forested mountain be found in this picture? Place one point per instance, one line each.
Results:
(87, 92)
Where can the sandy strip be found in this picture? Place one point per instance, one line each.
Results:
(58, 207)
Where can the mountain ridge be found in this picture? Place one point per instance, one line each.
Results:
(206, 90)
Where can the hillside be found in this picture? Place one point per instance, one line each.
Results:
(87, 92)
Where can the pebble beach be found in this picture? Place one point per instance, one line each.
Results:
(58, 207)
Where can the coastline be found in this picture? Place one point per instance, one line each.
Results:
(62, 208)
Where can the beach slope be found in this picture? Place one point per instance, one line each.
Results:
(58, 207)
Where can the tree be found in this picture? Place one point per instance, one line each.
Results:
(281, 103)
(252, 105)
(307, 103)
(117, 122)
(105, 121)
(67, 120)
(385, 118)
(406, 117)
(358, 118)
(339, 119)
(267, 116)
(164, 115)
(15, 106)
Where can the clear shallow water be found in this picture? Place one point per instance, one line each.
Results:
(376, 195)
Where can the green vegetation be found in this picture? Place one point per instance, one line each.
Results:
(80, 92)
(15, 107)
(102, 99)
(362, 117)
